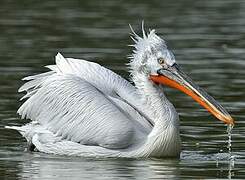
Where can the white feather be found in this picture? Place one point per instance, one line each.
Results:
(81, 108)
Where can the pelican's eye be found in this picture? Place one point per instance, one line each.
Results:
(161, 61)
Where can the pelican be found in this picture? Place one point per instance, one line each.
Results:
(80, 108)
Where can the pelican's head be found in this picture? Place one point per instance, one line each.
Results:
(153, 59)
(150, 54)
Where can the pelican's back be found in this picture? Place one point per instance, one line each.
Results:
(83, 102)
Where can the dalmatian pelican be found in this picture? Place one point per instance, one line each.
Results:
(80, 108)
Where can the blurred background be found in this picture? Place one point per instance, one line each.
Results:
(207, 38)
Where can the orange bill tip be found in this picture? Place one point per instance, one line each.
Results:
(226, 118)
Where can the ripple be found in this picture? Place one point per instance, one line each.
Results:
(207, 40)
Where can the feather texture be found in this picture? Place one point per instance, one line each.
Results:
(77, 104)
(81, 108)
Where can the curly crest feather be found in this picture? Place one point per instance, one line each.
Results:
(146, 48)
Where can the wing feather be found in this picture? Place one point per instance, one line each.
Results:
(77, 111)
(83, 102)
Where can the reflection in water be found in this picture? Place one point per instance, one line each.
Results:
(207, 38)
(42, 166)
(63, 168)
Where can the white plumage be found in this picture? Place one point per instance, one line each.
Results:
(81, 108)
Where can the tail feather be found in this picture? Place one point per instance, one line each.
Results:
(34, 128)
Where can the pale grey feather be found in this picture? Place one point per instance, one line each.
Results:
(83, 106)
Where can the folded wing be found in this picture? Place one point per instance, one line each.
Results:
(83, 102)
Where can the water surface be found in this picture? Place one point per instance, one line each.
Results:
(208, 40)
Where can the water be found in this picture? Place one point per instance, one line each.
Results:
(207, 38)
(229, 133)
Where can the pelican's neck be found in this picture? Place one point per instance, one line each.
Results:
(157, 106)
(164, 139)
